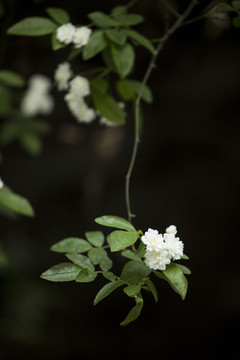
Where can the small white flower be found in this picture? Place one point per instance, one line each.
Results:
(62, 75)
(157, 260)
(79, 108)
(65, 33)
(174, 246)
(80, 86)
(171, 230)
(153, 240)
(81, 36)
(1, 184)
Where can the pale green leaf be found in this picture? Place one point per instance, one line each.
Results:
(107, 289)
(33, 26)
(142, 40)
(119, 37)
(86, 276)
(185, 257)
(123, 57)
(152, 288)
(101, 19)
(71, 245)
(58, 14)
(95, 45)
(119, 240)
(96, 238)
(134, 312)
(115, 222)
(96, 255)
(146, 91)
(105, 264)
(132, 290)
(134, 272)
(81, 260)
(61, 272)
(184, 269)
(109, 275)
(141, 249)
(11, 79)
(130, 19)
(129, 254)
(15, 202)
(175, 276)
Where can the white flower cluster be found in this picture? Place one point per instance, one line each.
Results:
(1, 184)
(68, 34)
(162, 249)
(62, 76)
(36, 99)
(78, 89)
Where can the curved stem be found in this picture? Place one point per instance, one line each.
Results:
(148, 72)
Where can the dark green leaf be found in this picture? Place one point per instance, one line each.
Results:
(62, 272)
(236, 21)
(141, 249)
(130, 19)
(152, 288)
(33, 26)
(106, 290)
(184, 269)
(135, 312)
(59, 15)
(115, 222)
(119, 240)
(71, 245)
(96, 255)
(86, 276)
(129, 254)
(123, 57)
(134, 271)
(175, 276)
(107, 107)
(81, 260)
(146, 91)
(118, 11)
(132, 290)
(108, 59)
(109, 275)
(101, 85)
(96, 238)
(5, 102)
(15, 202)
(125, 90)
(95, 45)
(142, 40)
(31, 142)
(101, 19)
(106, 264)
(11, 79)
(119, 37)
(236, 5)
(223, 7)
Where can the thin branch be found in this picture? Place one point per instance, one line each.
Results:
(148, 72)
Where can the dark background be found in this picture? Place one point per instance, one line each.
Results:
(187, 174)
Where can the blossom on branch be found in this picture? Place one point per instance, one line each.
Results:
(81, 36)
(62, 76)
(65, 33)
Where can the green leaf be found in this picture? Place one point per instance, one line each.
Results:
(96, 238)
(107, 107)
(184, 269)
(129, 254)
(119, 37)
(31, 142)
(96, 255)
(152, 288)
(86, 276)
(118, 11)
(141, 249)
(236, 21)
(108, 59)
(106, 264)
(33, 26)
(95, 45)
(109, 275)
(115, 222)
(5, 102)
(123, 57)
(146, 92)
(175, 276)
(56, 45)
(15, 202)
(58, 14)
(130, 19)
(62, 272)
(101, 19)
(134, 312)
(71, 245)
(185, 257)
(132, 290)
(101, 85)
(125, 90)
(81, 260)
(236, 5)
(134, 271)
(142, 40)
(107, 289)
(119, 240)
(223, 7)
(11, 79)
